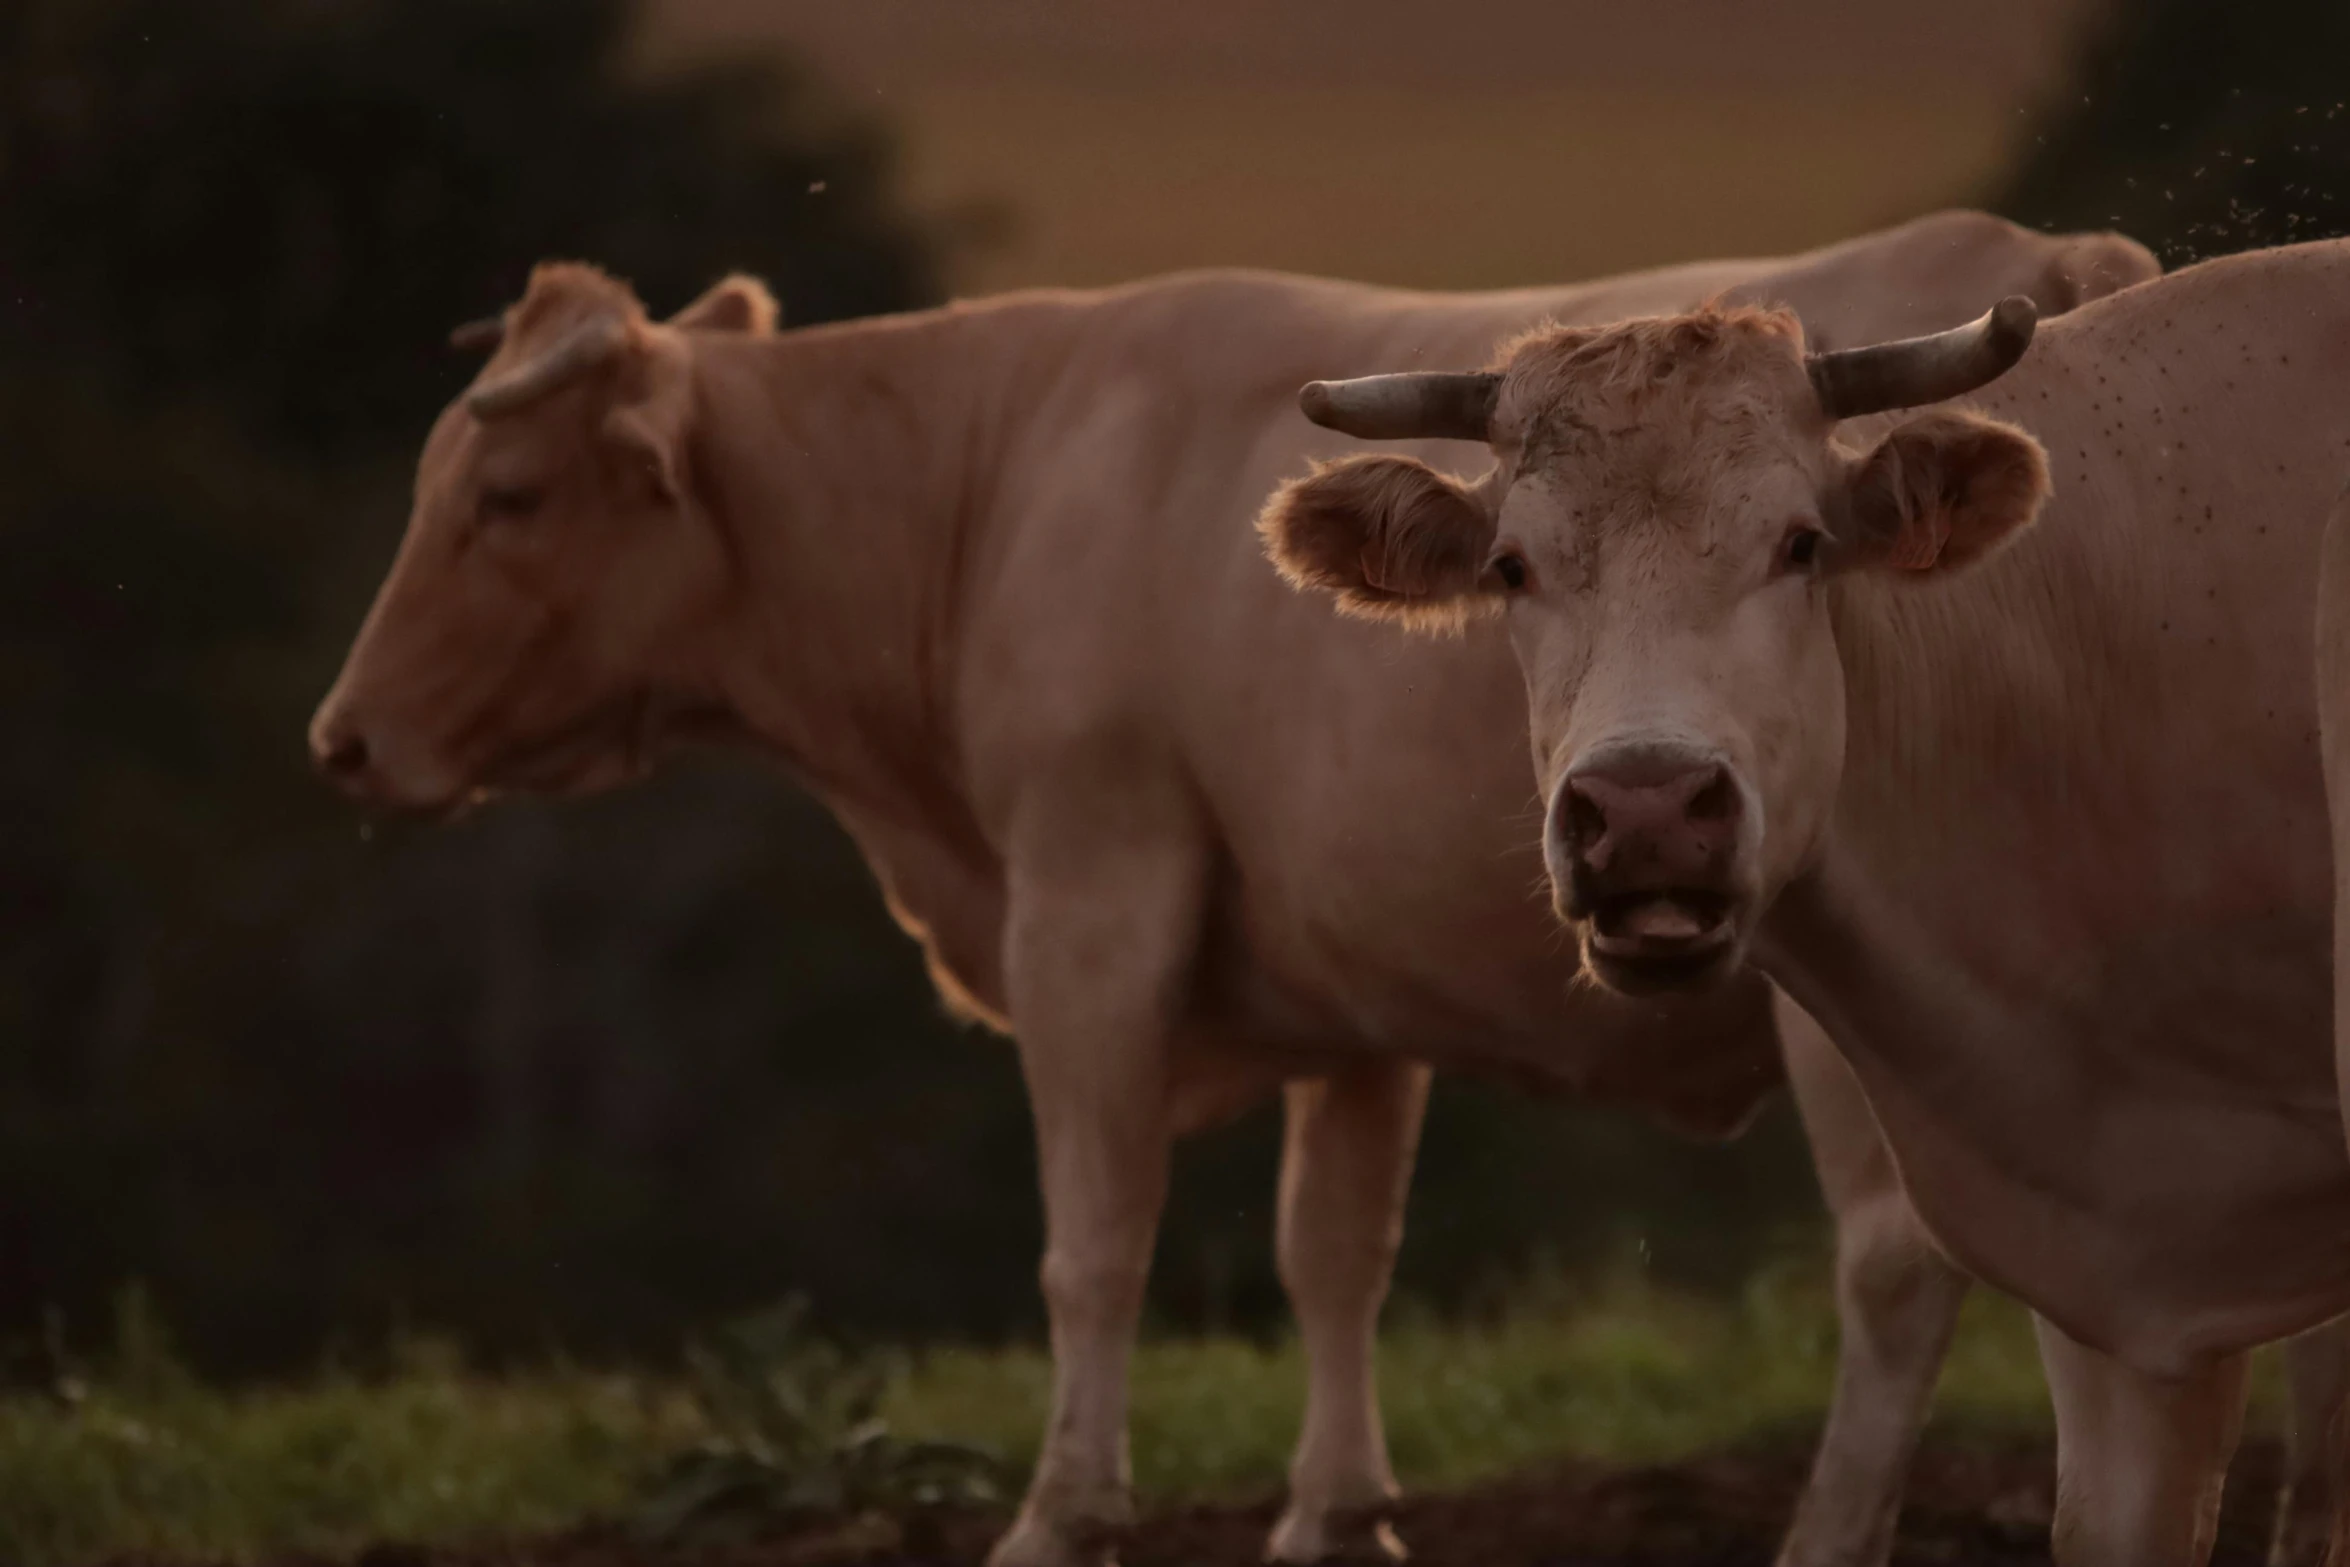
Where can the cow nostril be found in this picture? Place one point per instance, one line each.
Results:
(1717, 800)
(345, 757)
(1586, 820)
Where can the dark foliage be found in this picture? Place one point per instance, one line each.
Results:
(2199, 127)
(796, 1438)
(583, 1075)
(281, 206)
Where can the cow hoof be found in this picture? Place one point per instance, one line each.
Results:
(1306, 1535)
(1041, 1542)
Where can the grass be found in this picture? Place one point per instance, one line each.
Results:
(1621, 1373)
(426, 1453)
(141, 1458)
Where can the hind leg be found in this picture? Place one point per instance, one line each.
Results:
(1346, 1169)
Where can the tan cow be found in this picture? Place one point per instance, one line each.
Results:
(2032, 821)
(983, 577)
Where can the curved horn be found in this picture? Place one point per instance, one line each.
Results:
(1418, 405)
(479, 337)
(1920, 370)
(585, 347)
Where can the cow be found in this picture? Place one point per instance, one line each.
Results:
(983, 578)
(2026, 810)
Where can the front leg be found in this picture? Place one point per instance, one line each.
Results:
(2333, 728)
(1346, 1168)
(2140, 1460)
(1099, 948)
(1897, 1304)
(2311, 1517)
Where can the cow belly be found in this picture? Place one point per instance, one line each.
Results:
(2153, 1162)
(1492, 1005)
(2160, 1273)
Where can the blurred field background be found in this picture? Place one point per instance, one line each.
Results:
(1498, 143)
(577, 1082)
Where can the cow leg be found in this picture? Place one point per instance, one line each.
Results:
(2333, 728)
(2140, 1460)
(2311, 1511)
(2317, 1360)
(1095, 954)
(1346, 1167)
(1897, 1304)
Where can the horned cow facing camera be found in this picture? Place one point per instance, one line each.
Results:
(2025, 809)
(1664, 513)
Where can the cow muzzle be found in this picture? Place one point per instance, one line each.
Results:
(1644, 844)
(340, 752)
(368, 771)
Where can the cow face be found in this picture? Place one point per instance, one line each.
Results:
(1663, 536)
(538, 626)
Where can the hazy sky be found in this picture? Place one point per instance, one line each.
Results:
(2001, 45)
(1515, 141)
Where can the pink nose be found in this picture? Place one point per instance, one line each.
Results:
(344, 757)
(1639, 818)
(340, 753)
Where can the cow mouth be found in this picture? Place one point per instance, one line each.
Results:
(605, 746)
(1641, 942)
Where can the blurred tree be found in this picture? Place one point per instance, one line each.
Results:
(153, 584)
(2198, 127)
(246, 1054)
(283, 205)
(587, 1074)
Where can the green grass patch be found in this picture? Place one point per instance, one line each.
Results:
(1621, 1373)
(136, 1456)
(160, 1465)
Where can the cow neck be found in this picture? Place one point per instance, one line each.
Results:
(1932, 936)
(852, 469)
(1979, 776)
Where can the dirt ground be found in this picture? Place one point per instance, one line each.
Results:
(1966, 1505)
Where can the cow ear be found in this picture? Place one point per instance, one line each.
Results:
(649, 424)
(740, 303)
(1940, 492)
(1389, 538)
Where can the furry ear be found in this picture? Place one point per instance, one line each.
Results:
(737, 303)
(1389, 538)
(1940, 492)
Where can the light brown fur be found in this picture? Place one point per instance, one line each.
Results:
(2032, 819)
(1396, 567)
(983, 577)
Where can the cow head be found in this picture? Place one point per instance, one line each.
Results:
(537, 626)
(1663, 534)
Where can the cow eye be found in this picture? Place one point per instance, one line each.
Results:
(1509, 568)
(1801, 548)
(511, 502)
